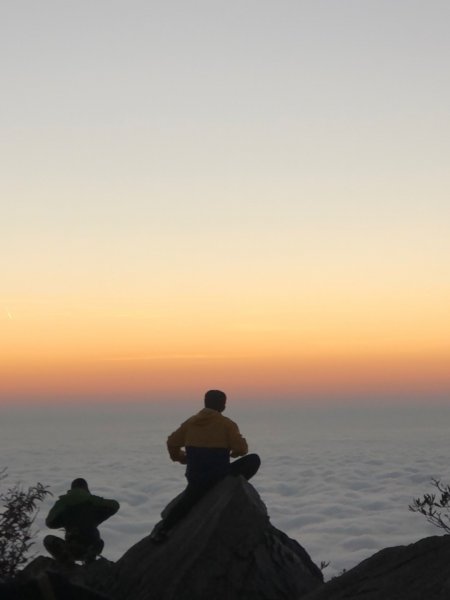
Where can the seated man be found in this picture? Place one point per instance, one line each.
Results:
(209, 440)
(79, 512)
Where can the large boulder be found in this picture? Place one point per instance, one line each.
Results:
(224, 549)
(45, 579)
(420, 571)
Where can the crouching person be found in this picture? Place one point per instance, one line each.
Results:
(79, 513)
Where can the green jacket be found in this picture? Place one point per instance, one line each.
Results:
(78, 508)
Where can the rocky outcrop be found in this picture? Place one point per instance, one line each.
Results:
(224, 549)
(420, 571)
(227, 549)
(77, 582)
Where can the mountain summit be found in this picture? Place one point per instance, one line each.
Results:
(224, 549)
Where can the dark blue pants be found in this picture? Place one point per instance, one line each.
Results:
(246, 466)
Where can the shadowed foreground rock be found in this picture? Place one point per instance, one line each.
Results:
(44, 579)
(224, 549)
(420, 571)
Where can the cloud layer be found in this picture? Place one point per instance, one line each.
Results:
(339, 481)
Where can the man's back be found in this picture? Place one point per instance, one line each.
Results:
(79, 512)
(209, 429)
(209, 438)
(78, 508)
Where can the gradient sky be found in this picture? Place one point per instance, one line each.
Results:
(252, 195)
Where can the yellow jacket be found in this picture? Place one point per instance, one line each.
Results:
(207, 429)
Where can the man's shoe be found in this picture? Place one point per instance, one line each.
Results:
(159, 533)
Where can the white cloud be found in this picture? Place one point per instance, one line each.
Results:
(335, 481)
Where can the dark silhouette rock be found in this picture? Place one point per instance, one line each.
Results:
(227, 549)
(224, 549)
(43, 577)
(420, 571)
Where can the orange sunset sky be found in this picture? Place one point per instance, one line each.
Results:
(253, 196)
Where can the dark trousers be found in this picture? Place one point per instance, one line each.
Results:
(72, 549)
(246, 466)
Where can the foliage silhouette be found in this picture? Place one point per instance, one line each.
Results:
(434, 506)
(18, 510)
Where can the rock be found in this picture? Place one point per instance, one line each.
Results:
(224, 549)
(43, 576)
(227, 549)
(419, 571)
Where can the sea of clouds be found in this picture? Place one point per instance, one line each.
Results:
(338, 480)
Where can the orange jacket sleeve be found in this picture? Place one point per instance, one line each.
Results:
(175, 443)
(238, 444)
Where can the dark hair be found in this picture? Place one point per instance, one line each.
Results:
(79, 483)
(215, 399)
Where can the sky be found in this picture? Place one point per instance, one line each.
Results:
(246, 195)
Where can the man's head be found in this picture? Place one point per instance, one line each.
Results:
(79, 483)
(216, 400)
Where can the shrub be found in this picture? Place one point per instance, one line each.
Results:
(18, 511)
(434, 506)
